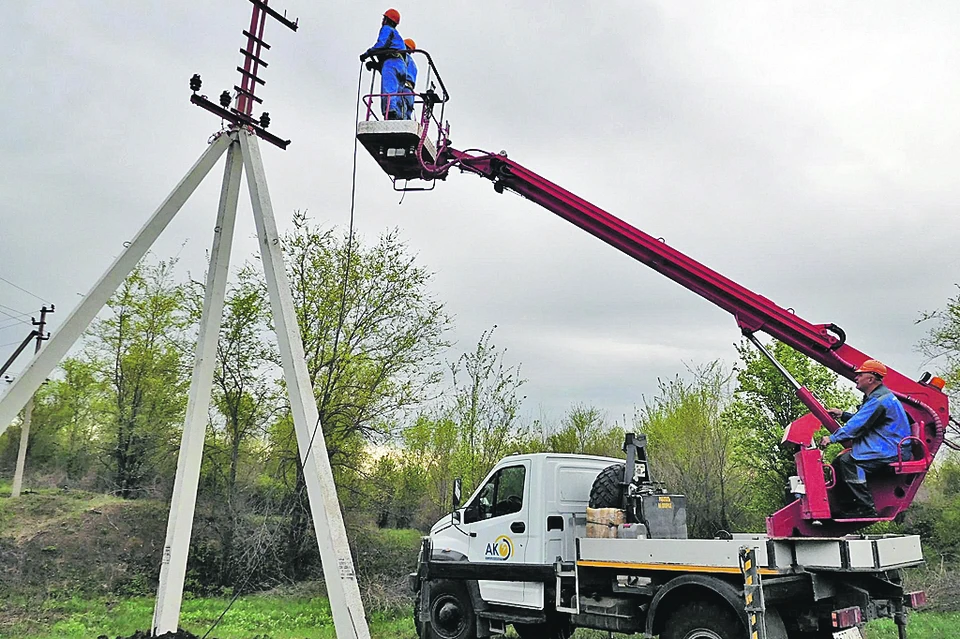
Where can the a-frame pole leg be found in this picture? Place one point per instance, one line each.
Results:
(338, 573)
(173, 567)
(76, 323)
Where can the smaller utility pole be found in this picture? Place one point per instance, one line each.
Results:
(28, 409)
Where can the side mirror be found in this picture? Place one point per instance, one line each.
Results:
(457, 493)
(455, 516)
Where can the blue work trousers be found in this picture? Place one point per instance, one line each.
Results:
(391, 81)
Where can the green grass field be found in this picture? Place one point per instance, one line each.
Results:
(279, 617)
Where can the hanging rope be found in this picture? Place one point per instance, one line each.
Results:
(346, 266)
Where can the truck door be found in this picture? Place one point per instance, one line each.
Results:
(499, 515)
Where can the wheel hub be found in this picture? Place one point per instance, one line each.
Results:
(448, 618)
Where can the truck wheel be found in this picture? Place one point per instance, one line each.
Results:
(451, 612)
(607, 488)
(553, 628)
(416, 615)
(703, 620)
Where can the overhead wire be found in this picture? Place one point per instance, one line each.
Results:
(17, 319)
(23, 289)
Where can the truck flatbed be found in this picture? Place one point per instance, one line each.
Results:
(774, 556)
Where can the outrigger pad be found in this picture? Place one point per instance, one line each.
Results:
(393, 144)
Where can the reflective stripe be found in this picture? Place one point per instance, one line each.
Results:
(671, 567)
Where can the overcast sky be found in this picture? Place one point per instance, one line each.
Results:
(807, 150)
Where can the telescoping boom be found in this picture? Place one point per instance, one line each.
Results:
(406, 150)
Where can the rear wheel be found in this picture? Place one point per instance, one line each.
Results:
(607, 489)
(451, 612)
(703, 620)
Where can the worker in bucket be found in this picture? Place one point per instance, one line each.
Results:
(410, 80)
(387, 53)
(874, 432)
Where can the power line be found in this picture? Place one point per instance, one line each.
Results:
(15, 310)
(15, 317)
(13, 324)
(42, 299)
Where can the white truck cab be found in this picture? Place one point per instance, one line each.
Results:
(530, 509)
(519, 553)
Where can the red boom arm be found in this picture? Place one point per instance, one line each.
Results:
(825, 343)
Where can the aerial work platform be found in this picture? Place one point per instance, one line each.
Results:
(404, 148)
(394, 144)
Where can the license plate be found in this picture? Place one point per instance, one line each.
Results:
(849, 633)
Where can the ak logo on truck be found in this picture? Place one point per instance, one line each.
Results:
(500, 550)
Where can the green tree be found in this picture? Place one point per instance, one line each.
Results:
(583, 430)
(372, 333)
(372, 342)
(471, 428)
(942, 346)
(485, 407)
(66, 420)
(692, 449)
(433, 445)
(246, 398)
(764, 404)
(137, 352)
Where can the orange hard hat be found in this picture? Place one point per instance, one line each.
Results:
(393, 15)
(872, 366)
(410, 43)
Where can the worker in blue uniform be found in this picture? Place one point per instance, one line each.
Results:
(410, 80)
(875, 431)
(388, 52)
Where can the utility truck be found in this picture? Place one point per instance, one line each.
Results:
(518, 552)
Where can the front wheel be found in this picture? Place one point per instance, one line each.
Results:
(451, 612)
(703, 620)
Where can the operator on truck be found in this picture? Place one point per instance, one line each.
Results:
(876, 430)
(388, 50)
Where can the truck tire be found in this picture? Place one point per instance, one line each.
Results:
(416, 615)
(451, 612)
(701, 619)
(607, 489)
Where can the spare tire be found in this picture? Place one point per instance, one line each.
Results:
(607, 489)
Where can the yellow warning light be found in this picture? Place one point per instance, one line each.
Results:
(937, 382)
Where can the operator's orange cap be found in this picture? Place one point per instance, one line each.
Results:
(392, 14)
(872, 366)
(410, 43)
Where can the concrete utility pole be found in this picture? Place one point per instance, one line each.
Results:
(28, 409)
(239, 141)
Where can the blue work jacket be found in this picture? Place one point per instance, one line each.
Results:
(876, 428)
(389, 38)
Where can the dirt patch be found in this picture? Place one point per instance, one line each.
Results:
(85, 544)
